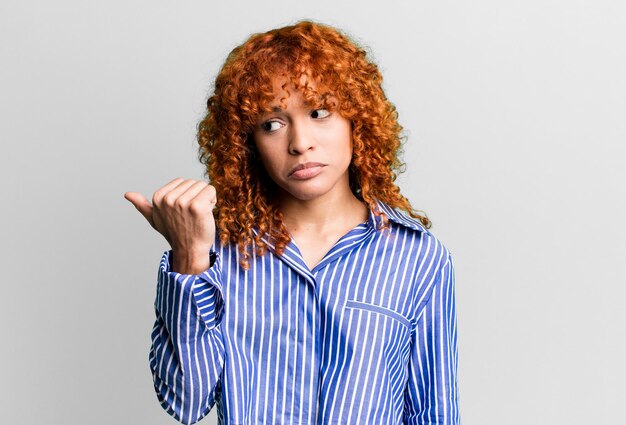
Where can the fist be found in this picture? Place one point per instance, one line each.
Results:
(182, 211)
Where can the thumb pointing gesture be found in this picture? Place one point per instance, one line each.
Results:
(182, 212)
(142, 204)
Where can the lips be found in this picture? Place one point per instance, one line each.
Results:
(305, 166)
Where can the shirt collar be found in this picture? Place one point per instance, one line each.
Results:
(396, 217)
(375, 221)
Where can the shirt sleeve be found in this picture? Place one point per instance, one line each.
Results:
(431, 395)
(187, 352)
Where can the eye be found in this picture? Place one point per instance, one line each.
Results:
(320, 113)
(270, 126)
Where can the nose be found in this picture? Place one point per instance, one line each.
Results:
(301, 138)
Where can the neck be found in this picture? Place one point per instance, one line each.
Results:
(324, 214)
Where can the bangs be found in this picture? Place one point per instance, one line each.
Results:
(270, 89)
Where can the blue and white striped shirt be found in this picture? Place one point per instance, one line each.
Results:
(366, 337)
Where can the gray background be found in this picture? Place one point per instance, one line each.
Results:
(515, 116)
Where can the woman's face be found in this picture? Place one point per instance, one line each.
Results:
(305, 151)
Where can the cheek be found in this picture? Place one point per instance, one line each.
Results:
(262, 149)
(270, 160)
(349, 146)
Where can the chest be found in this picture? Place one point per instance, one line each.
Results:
(366, 294)
(313, 249)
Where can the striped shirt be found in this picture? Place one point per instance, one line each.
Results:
(368, 336)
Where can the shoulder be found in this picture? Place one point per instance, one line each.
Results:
(426, 247)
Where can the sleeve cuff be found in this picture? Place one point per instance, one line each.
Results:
(206, 287)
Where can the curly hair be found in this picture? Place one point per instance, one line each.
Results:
(330, 70)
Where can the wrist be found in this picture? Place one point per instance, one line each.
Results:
(190, 261)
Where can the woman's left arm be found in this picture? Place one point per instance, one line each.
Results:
(431, 395)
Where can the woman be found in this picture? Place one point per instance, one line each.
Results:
(318, 302)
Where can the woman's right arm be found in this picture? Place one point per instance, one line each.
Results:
(187, 353)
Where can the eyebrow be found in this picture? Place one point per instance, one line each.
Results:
(277, 109)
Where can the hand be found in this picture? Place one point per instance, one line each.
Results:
(182, 212)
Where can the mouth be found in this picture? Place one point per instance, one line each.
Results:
(305, 170)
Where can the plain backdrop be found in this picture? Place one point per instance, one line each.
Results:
(514, 113)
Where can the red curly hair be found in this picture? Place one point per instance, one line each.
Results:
(343, 79)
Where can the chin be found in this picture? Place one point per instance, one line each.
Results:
(302, 194)
(305, 196)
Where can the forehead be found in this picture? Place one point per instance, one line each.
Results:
(273, 87)
(303, 85)
(284, 81)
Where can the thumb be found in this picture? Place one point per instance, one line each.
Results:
(142, 204)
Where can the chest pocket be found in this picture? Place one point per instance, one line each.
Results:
(360, 305)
